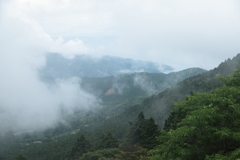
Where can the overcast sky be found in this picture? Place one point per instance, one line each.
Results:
(186, 33)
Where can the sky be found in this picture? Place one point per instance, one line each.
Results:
(181, 34)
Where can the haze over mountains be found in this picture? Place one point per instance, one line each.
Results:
(126, 86)
(58, 66)
(122, 98)
(57, 101)
(132, 82)
(114, 80)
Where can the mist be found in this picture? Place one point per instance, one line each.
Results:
(118, 85)
(140, 80)
(27, 103)
(180, 34)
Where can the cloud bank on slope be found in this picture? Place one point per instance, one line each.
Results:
(25, 101)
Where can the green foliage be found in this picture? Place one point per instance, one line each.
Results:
(101, 154)
(208, 125)
(106, 140)
(132, 152)
(143, 132)
(81, 146)
(233, 80)
(149, 133)
(90, 156)
(136, 129)
(234, 155)
(20, 157)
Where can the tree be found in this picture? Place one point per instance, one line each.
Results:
(149, 133)
(20, 157)
(134, 134)
(143, 132)
(106, 140)
(82, 145)
(132, 152)
(209, 128)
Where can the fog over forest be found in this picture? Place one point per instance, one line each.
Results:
(180, 34)
(119, 80)
(25, 101)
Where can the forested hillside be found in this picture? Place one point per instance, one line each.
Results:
(120, 91)
(159, 106)
(204, 125)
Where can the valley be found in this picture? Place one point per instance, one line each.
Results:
(122, 100)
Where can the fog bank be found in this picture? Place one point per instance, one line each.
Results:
(25, 101)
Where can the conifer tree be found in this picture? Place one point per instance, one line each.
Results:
(149, 133)
(81, 146)
(20, 157)
(107, 140)
(143, 132)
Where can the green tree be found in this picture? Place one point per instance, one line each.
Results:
(149, 133)
(209, 128)
(108, 154)
(132, 152)
(106, 140)
(143, 132)
(81, 146)
(20, 157)
(134, 134)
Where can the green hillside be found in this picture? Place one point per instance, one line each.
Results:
(121, 91)
(204, 126)
(111, 133)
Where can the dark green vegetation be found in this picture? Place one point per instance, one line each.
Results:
(58, 66)
(202, 126)
(143, 132)
(205, 126)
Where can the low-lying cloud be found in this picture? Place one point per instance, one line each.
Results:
(140, 80)
(25, 101)
(118, 85)
(181, 34)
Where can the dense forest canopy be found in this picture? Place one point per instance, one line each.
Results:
(205, 126)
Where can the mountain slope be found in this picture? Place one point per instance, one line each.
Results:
(58, 142)
(136, 84)
(159, 106)
(120, 92)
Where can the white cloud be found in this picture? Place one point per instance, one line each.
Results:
(141, 80)
(68, 49)
(25, 101)
(182, 33)
(179, 33)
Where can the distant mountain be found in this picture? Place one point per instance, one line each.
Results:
(159, 106)
(117, 92)
(58, 66)
(57, 142)
(132, 86)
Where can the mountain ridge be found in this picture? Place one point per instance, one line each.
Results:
(57, 142)
(159, 106)
(58, 66)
